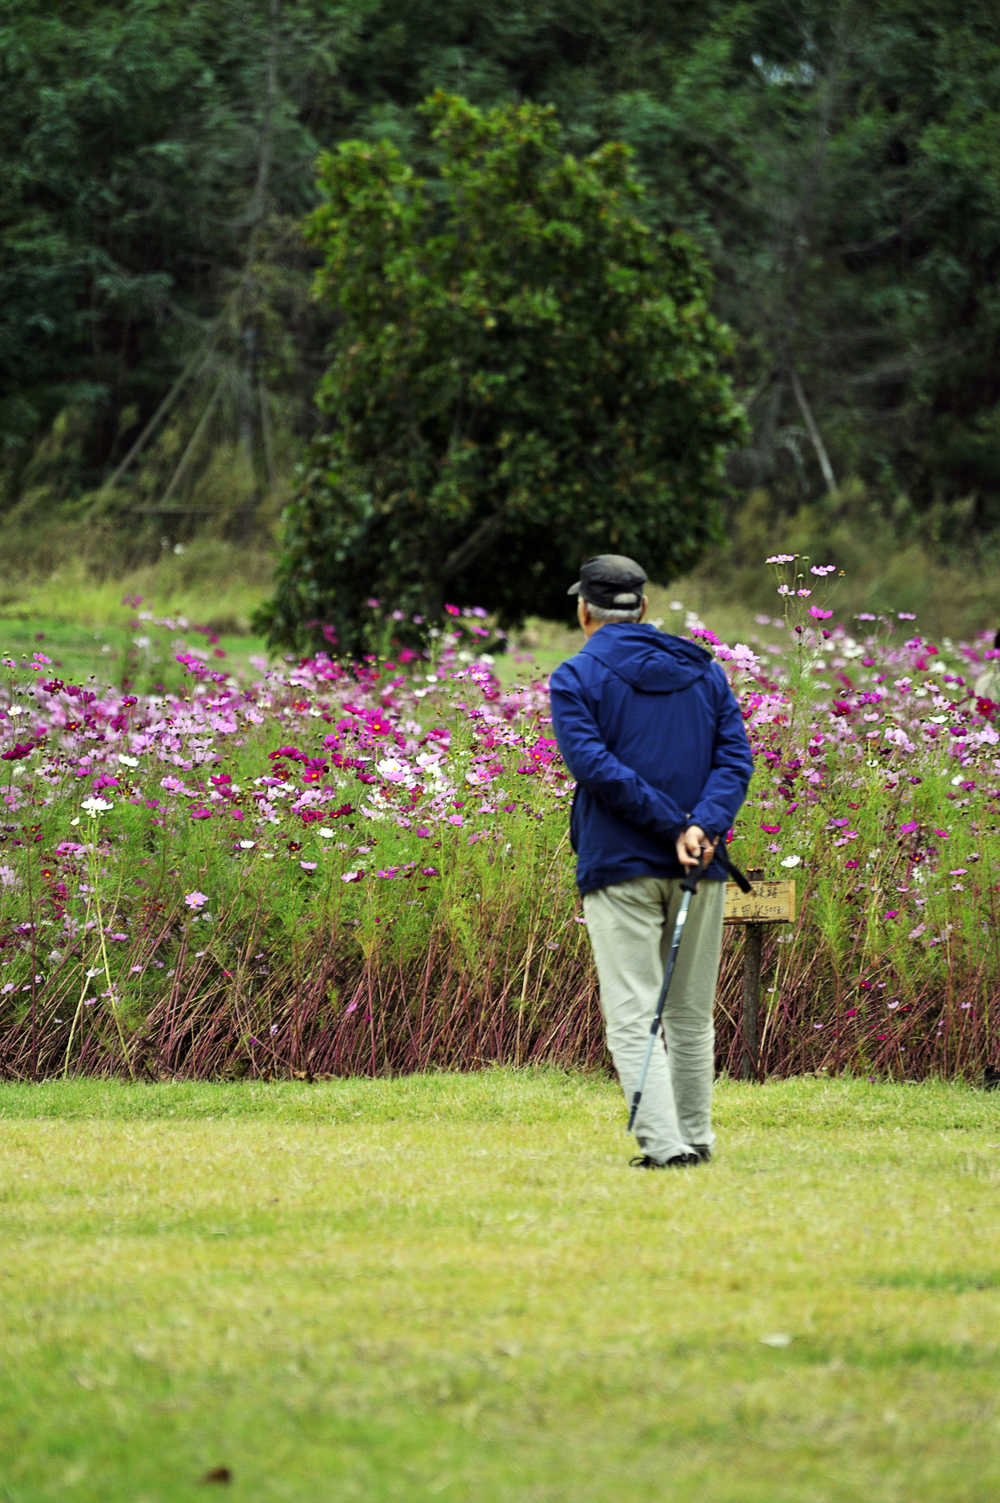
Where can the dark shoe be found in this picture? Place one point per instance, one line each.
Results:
(679, 1161)
(703, 1151)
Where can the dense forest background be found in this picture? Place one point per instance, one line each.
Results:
(836, 162)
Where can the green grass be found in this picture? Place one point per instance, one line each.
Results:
(212, 582)
(79, 651)
(453, 1287)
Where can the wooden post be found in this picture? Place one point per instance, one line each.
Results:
(752, 948)
(768, 903)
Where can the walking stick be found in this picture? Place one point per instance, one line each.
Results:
(689, 886)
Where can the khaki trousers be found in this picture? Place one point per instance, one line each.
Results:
(631, 926)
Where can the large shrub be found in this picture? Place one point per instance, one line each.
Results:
(523, 373)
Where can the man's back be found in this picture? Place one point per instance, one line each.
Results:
(650, 729)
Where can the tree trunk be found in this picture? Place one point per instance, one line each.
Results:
(815, 437)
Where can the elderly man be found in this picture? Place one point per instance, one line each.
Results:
(650, 729)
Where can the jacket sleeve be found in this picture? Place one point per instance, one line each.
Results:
(599, 771)
(726, 786)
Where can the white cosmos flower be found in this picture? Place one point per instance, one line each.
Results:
(96, 805)
(392, 769)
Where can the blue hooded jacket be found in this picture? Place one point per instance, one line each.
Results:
(650, 729)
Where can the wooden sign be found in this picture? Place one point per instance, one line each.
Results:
(769, 903)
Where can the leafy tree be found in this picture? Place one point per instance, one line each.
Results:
(524, 374)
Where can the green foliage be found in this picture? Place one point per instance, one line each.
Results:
(145, 148)
(835, 162)
(520, 360)
(100, 107)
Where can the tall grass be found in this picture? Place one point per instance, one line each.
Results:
(326, 868)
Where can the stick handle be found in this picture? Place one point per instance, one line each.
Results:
(722, 857)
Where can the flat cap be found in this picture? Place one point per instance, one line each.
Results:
(611, 581)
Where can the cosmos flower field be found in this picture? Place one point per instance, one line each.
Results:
(323, 867)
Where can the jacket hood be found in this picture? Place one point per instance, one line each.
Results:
(650, 661)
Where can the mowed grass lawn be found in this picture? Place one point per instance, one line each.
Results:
(453, 1287)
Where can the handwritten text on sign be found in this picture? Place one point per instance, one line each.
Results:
(769, 903)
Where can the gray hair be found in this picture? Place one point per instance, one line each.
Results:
(602, 613)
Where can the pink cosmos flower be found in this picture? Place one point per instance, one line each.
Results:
(196, 899)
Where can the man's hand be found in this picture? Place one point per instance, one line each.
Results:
(694, 847)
